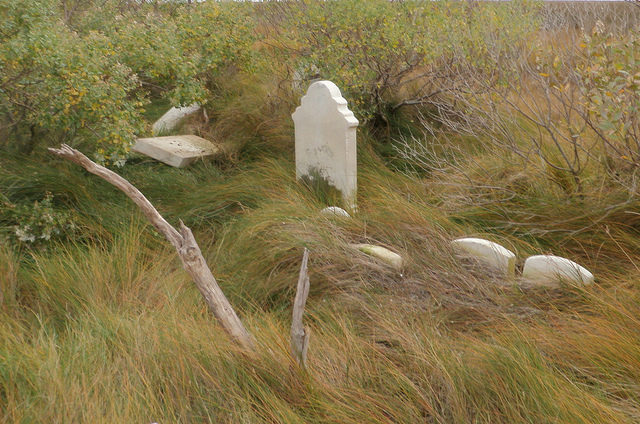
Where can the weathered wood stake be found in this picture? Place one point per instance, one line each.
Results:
(184, 242)
(299, 333)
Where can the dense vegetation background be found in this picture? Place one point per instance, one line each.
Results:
(518, 122)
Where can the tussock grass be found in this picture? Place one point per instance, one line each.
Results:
(111, 329)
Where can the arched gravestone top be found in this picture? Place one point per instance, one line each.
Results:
(325, 132)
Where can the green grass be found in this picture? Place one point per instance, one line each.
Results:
(110, 328)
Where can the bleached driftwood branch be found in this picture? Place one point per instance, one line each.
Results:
(182, 239)
(300, 334)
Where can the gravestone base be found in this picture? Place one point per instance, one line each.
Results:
(177, 151)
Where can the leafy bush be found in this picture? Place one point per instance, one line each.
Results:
(385, 55)
(611, 86)
(58, 86)
(568, 107)
(182, 54)
(89, 84)
(39, 223)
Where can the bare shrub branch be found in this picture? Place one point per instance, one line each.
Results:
(183, 241)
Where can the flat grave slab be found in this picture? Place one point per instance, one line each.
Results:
(176, 150)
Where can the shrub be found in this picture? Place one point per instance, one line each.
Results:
(58, 86)
(39, 223)
(568, 107)
(385, 55)
(181, 54)
(89, 84)
(611, 88)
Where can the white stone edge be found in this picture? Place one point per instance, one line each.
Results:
(394, 259)
(552, 260)
(336, 95)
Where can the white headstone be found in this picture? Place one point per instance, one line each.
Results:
(551, 270)
(325, 131)
(170, 120)
(381, 253)
(488, 252)
(176, 150)
(335, 211)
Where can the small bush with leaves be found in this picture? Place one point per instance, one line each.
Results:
(569, 108)
(40, 223)
(86, 78)
(56, 85)
(180, 54)
(611, 86)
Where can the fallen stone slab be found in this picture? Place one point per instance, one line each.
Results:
(172, 118)
(550, 271)
(488, 252)
(176, 150)
(335, 211)
(382, 253)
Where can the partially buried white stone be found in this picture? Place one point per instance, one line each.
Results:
(178, 151)
(172, 118)
(335, 211)
(489, 253)
(551, 270)
(381, 253)
(325, 134)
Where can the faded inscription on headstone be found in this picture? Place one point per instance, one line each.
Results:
(325, 132)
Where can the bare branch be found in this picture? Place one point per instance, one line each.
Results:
(183, 241)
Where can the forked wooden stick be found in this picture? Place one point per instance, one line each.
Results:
(182, 239)
(300, 334)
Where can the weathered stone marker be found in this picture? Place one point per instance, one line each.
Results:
(335, 211)
(547, 270)
(176, 150)
(325, 131)
(382, 253)
(172, 118)
(493, 254)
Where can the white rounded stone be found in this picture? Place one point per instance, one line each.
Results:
(170, 120)
(381, 253)
(551, 270)
(488, 252)
(335, 211)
